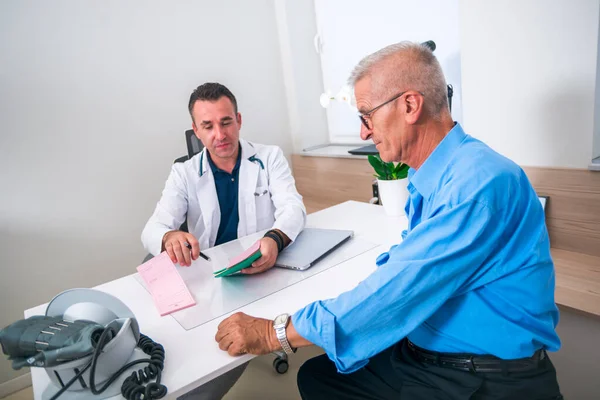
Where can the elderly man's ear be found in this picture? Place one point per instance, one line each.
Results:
(414, 103)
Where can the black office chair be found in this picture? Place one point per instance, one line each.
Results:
(194, 146)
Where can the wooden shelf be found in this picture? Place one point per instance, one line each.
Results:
(577, 280)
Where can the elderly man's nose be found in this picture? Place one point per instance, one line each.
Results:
(365, 133)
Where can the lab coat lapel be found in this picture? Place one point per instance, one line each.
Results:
(248, 179)
(208, 201)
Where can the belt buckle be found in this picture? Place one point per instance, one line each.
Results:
(470, 364)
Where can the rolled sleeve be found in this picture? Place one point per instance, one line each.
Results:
(317, 324)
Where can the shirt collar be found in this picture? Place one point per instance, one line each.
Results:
(216, 169)
(426, 178)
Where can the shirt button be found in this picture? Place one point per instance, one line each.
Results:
(232, 179)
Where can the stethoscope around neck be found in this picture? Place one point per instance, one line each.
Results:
(253, 159)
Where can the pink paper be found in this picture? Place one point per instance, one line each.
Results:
(164, 283)
(241, 257)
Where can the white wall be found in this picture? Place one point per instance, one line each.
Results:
(529, 78)
(302, 72)
(352, 29)
(93, 105)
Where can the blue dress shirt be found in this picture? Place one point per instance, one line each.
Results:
(473, 273)
(227, 186)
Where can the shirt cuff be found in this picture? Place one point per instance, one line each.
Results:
(317, 324)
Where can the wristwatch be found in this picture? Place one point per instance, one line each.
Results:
(279, 324)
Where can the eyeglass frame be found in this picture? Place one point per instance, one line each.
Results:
(369, 113)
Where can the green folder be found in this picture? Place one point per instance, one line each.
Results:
(234, 269)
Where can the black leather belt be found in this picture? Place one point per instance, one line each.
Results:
(476, 363)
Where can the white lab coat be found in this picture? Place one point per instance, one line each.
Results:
(268, 198)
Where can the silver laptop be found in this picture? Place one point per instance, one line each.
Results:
(310, 246)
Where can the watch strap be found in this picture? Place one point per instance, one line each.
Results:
(280, 332)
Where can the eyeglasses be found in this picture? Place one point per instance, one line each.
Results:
(365, 118)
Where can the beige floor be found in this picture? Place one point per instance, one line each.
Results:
(25, 394)
(260, 381)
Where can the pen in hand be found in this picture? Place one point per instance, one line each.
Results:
(189, 246)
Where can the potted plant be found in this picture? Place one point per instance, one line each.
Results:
(392, 183)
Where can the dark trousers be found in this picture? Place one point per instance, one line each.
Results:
(396, 374)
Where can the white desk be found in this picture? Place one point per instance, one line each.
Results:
(193, 357)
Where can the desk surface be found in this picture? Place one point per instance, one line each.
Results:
(193, 357)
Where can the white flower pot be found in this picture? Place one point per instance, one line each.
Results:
(393, 195)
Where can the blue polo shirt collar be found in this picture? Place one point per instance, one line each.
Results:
(426, 178)
(216, 169)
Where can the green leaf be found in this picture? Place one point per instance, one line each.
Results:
(402, 171)
(375, 161)
(378, 165)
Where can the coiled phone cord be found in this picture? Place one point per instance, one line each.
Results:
(132, 388)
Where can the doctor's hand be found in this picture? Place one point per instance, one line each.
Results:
(174, 243)
(268, 249)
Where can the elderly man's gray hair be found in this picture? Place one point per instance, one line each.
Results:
(405, 66)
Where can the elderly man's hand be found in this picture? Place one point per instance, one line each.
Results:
(241, 334)
(269, 252)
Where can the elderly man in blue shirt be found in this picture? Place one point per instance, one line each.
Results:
(463, 307)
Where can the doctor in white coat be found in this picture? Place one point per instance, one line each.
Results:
(231, 189)
(254, 187)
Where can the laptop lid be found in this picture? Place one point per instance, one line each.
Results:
(364, 151)
(311, 245)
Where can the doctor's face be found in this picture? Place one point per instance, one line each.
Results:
(217, 125)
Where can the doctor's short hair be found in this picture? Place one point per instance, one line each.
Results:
(211, 91)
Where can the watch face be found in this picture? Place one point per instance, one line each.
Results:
(280, 319)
